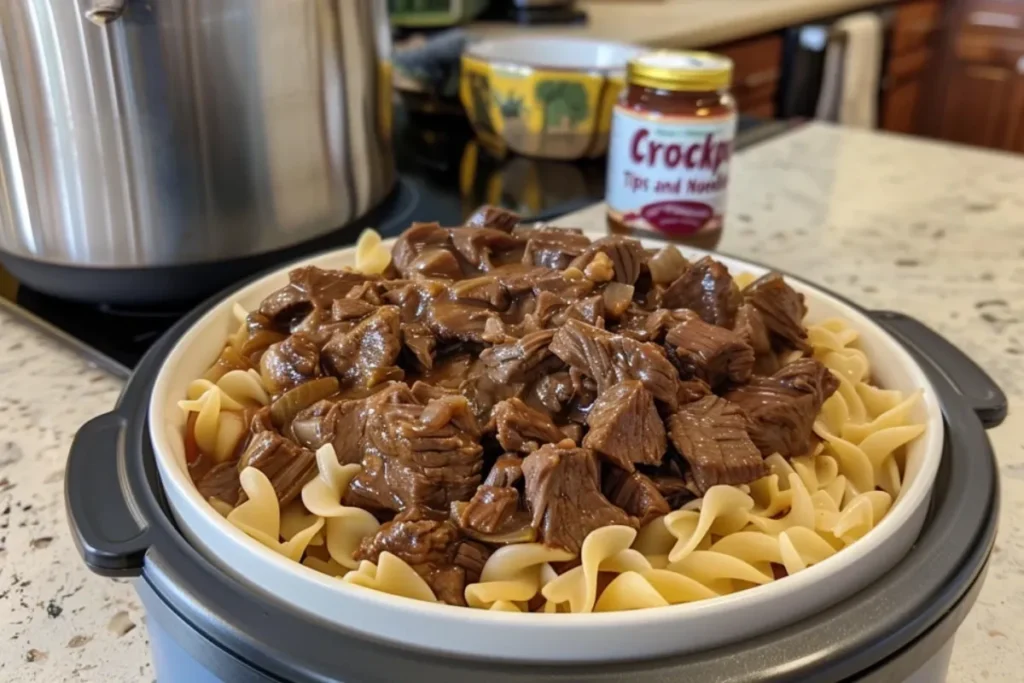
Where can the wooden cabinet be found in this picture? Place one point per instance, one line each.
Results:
(916, 27)
(982, 79)
(986, 109)
(757, 65)
(1014, 137)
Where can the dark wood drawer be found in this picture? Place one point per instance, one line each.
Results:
(991, 48)
(757, 65)
(908, 66)
(915, 24)
(1000, 16)
(762, 109)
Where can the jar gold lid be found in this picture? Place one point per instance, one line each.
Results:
(680, 71)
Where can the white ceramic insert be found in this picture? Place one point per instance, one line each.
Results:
(543, 637)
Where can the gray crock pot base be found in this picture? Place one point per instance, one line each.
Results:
(893, 625)
(238, 634)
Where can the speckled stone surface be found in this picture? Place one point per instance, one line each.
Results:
(933, 230)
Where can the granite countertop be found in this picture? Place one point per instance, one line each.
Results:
(684, 23)
(930, 229)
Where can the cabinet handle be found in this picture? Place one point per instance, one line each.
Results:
(759, 78)
(994, 20)
(1020, 65)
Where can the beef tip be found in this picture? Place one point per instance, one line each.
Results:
(628, 257)
(343, 310)
(552, 392)
(420, 342)
(447, 581)
(488, 216)
(425, 393)
(584, 394)
(287, 465)
(340, 424)
(221, 482)
(483, 393)
(610, 358)
(462, 321)
(366, 355)
(485, 289)
(569, 288)
(649, 326)
(808, 375)
(636, 494)
(319, 326)
(712, 435)
(521, 360)
(369, 291)
(692, 390)
(523, 429)
(261, 422)
(713, 354)
(563, 494)
(308, 288)
(471, 558)
(527, 230)
(289, 363)
(492, 510)
(707, 289)
(625, 427)
(572, 431)
(414, 298)
(439, 263)
(429, 543)
(417, 535)
(417, 455)
(553, 248)
(674, 489)
(417, 239)
(590, 310)
(477, 245)
(782, 408)
(547, 307)
(781, 307)
(506, 471)
(519, 279)
(750, 327)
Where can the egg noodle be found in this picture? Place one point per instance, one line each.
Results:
(733, 538)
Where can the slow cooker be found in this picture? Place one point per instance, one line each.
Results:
(211, 617)
(159, 151)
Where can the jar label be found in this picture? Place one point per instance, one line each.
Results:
(669, 173)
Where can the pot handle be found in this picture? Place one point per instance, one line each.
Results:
(980, 391)
(106, 524)
(102, 12)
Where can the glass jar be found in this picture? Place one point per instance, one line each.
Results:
(671, 142)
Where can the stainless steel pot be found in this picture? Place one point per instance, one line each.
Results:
(142, 133)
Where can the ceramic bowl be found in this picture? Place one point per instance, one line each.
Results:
(544, 96)
(677, 629)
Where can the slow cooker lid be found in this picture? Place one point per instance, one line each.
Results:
(215, 611)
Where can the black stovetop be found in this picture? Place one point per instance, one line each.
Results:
(443, 175)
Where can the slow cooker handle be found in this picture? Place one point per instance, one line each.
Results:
(978, 389)
(105, 520)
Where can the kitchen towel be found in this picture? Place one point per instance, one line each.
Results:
(852, 73)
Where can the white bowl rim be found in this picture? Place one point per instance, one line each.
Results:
(476, 51)
(773, 593)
